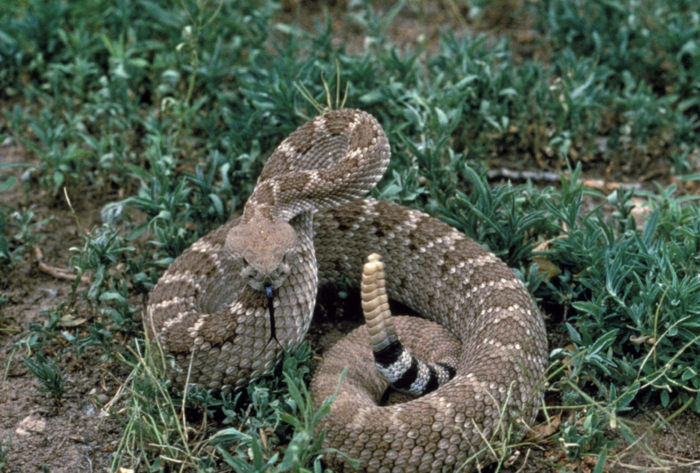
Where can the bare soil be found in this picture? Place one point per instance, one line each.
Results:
(74, 435)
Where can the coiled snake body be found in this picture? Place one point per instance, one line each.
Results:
(306, 224)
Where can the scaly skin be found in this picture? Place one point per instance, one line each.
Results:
(205, 310)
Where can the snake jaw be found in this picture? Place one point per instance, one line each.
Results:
(261, 280)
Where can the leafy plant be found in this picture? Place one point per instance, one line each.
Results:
(636, 315)
(584, 434)
(25, 238)
(303, 450)
(40, 334)
(48, 373)
(103, 248)
(166, 112)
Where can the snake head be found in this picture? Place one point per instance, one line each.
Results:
(266, 248)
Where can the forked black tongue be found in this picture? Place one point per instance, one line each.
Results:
(271, 307)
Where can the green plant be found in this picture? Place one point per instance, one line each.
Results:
(4, 452)
(6, 257)
(23, 240)
(167, 112)
(303, 450)
(585, 438)
(48, 373)
(503, 218)
(7, 182)
(40, 334)
(155, 417)
(634, 294)
(629, 36)
(98, 335)
(103, 248)
(152, 415)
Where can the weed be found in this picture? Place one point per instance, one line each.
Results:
(4, 451)
(48, 373)
(7, 182)
(40, 334)
(654, 41)
(584, 438)
(116, 308)
(154, 417)
(6, 257)
(98, 335)
(103, 248)
(303, 450)
(169, 110)
(501, 218)
(633, 293)
(18, 246)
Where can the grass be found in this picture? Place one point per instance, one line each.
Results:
(283, 416)
(165, 112)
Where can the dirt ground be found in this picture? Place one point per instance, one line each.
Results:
(75, 435)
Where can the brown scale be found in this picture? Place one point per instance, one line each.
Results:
(481, 304)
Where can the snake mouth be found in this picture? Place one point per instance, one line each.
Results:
(260, 280)
(259, 275)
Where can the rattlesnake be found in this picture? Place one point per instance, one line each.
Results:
(305, 224)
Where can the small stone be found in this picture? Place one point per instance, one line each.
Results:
(31, 424)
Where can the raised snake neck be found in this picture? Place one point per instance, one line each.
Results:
(207, 315)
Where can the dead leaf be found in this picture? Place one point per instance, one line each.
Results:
(544, 265)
